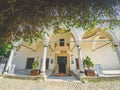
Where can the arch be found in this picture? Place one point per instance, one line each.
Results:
(114, 37)
(109, 32)
(103, 49)
(94, 44)
(78, 34)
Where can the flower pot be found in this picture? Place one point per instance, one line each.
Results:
(34, 72)
(90, 72)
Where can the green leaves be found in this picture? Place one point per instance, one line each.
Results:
(87, 62)
(35, 64)
(5, 49)
(51, 13)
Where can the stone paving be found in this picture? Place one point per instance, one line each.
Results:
(62, 78)
(57, 84)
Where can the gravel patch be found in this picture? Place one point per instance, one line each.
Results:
(17, 84)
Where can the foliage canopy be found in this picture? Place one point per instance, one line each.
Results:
(29, 18)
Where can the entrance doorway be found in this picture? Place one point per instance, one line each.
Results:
(62, 61)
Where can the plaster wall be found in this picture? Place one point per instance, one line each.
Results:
(106, 56)
(20, 57)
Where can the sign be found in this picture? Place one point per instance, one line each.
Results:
(99, 69)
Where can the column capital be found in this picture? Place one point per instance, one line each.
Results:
(14, 49)
(78, 45)
(116, 45)
(45, 45)
(17, 43)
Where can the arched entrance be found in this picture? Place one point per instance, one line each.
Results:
(99, 46)
(61, 45)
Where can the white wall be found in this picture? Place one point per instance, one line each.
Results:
(106, 56)
(72, 65)
(20, 58)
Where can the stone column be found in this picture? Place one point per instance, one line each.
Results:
(80, 59)
(117, 49)
(15, 44)
(10, 59)
(43, 65)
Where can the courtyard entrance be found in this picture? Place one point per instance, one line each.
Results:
(62, 61)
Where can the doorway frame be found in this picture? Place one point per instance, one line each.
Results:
(56, 66)
(63, 64)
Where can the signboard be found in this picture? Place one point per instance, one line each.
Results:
(99, 69)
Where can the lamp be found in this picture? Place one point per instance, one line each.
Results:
(55, 45)
(68, 44)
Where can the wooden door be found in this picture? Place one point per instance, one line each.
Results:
(62, 61)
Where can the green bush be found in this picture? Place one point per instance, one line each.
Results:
(88, 63)
(5, 49)
(35, 64)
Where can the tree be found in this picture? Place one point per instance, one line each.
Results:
(5, 49)
(27, 19)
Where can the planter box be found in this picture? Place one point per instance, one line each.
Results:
(90, 72)
(34, 72)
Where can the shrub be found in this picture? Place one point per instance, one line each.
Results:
(88, 63)
(35, 64)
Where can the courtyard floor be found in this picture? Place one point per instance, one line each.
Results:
(57, 83)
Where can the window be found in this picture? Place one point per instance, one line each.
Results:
(29, 63)
(61, 42)
(51, 61)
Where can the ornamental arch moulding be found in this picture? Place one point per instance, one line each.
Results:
(78, 34)
(115, 36)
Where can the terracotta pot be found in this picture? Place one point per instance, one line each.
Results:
(34, 72)
(90, 72)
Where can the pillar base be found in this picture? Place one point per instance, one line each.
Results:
(82, 71)
(43, 75)
(5, 73)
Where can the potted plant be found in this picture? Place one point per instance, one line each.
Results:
(35, 64)
(35, 71)
(87, 62)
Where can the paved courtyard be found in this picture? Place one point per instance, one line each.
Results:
(57, 84)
